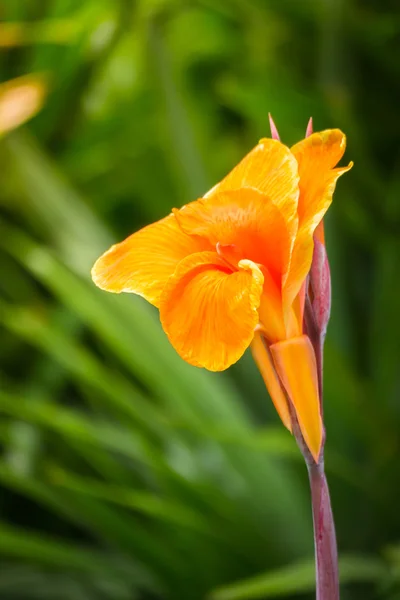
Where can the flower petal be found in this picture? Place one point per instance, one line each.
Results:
(274, 323)
(272, 170)
(209, 312)
(266, 367)
(316, 157)
(300, 265)
(143, 262)
(295, 363)
(245, 219)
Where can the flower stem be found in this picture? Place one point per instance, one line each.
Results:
(326, 558)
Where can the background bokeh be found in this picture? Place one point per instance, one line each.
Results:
(126, 474)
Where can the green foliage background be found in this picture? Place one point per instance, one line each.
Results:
(126, 474)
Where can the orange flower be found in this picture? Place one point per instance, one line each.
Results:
(228, 271)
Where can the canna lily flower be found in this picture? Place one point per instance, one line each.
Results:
(229, 271)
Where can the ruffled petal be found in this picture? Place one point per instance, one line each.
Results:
(246, 220)
(143, 262)
(295, 364)
(209, 312)
(272, 170)
(316, 157)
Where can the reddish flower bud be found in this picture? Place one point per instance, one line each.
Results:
(320, 284)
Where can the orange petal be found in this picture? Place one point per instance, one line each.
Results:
(209, 312)
(274, 324)
(298, 306)
(271, 169)
(245, 219)
(299, 268)
(316, 156)
(266, 367)
(295, 363)
(143, 262)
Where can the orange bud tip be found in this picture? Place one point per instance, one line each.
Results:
(309, 129)
(274, 131)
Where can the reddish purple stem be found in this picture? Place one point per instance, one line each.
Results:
(327, 577)
(316, 316)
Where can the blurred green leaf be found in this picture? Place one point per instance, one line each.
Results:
(300, 578)
(38, 548)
